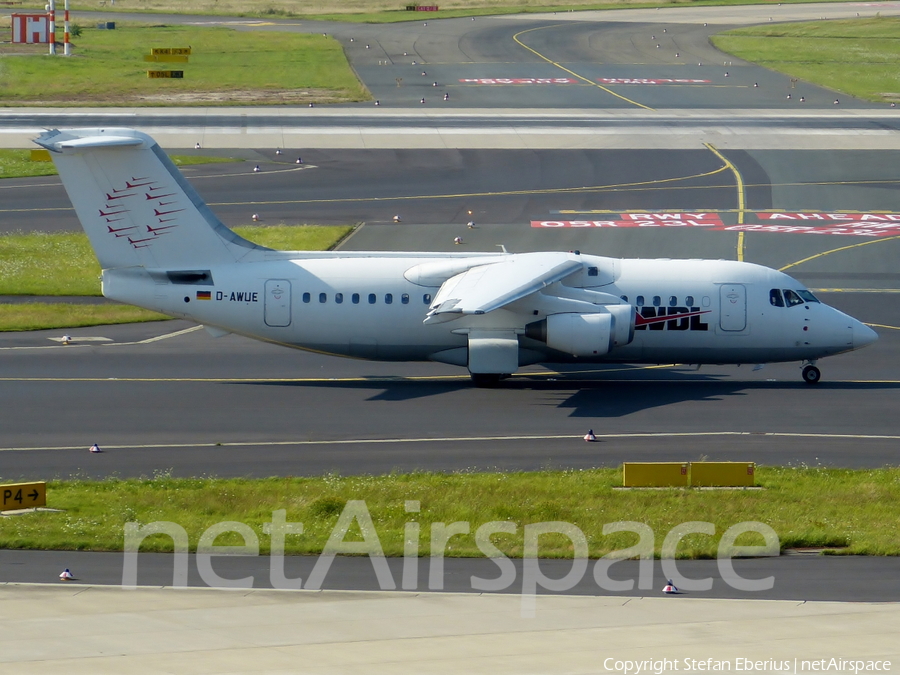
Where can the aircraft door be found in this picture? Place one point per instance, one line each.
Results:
(732, 307)
(278, 303)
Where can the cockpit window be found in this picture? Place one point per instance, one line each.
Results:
(807, 296)
(775, 298)
(791, 298)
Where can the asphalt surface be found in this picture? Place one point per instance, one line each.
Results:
(801, 577)
(192, 405)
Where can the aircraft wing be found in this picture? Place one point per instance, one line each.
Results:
(485, 288)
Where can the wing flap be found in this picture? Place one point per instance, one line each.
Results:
(488, 287)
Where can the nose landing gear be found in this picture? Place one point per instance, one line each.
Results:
(811, 374)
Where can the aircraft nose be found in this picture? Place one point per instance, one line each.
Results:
(862, 335)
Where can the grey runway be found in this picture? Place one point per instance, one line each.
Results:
(801, 577)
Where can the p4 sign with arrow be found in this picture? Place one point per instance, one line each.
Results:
(23, 496)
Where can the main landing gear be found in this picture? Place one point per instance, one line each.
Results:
(811, 374)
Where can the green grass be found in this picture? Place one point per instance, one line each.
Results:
(296, 238)
(48, 264)
(858, 56)
(226, 67)
(42, 263)
(18, 163)
(64, 264)
(855, 509)
(44, 316)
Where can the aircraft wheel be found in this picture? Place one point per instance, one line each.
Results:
(486, 379)
(811, 375)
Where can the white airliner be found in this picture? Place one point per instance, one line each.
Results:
(162, 248)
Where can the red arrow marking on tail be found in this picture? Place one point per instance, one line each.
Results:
(138, 241)
(159, 230)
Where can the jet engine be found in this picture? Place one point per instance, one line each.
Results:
(592, 334)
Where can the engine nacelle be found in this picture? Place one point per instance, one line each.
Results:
(592, 334)
(623, 323)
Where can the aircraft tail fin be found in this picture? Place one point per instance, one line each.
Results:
(135, 205)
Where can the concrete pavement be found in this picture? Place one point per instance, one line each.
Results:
(77, 629)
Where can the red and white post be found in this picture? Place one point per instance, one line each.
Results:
(67, 47)
(52, 8)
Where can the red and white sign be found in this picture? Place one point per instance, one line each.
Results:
(858, 224)
(843, 217)
(851, 228)
(519, 80)
(854, 224)
(709, 220)
(648, 80)
(31, 28)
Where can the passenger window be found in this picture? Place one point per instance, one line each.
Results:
(306, 297)
(338, 298)
(323, 297)
(426, 298)
(706, 301)
(354, 298)
(404, 298)
(372, 298)
(624, 298)
(388, 298)
(791, 298)
(657, 301)
(673, 301)
(639, 301)
(689, 301)
(775, 298)
(592, 271)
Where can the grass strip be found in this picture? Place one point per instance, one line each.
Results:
(225, 67)
(855, 509)
(18, 163)
(46, 315)
(64, 264)
(857, 56)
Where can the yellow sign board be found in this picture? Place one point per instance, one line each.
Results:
(183, 51)
(172, 74)
(655, 474)
(40, 156)
(22, 496)
(166, 58)
(723, 474)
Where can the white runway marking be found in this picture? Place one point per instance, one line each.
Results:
(470, 439)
